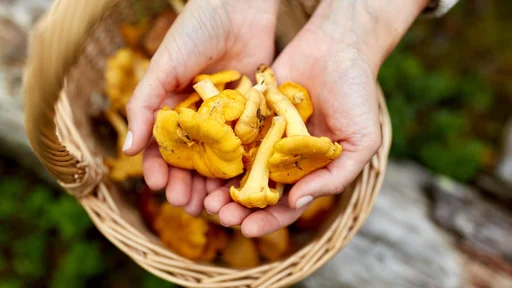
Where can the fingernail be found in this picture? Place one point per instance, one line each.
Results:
(128, 141)
(303, 201)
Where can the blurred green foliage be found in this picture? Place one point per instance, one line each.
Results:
(47, 240)
(445, 88)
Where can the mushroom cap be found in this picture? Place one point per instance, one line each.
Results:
(296, 156)
(123, 71)
(175, 151)
(222, 77)
(217, 241)
(218, 151)
(261, 197)
(274, 245)
(226, 106)
(241, 252)
(122, 167)
(191, 239)
(293, 90)
(189, 102)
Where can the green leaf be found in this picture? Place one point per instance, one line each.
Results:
(11, 189)
(445, 125)
(29, 256)
(11, 283)
(82, 261)
(152, 281)
(476, 93)
(68, 217)
(36, 205)
(3, 262)
(460, 160)
(403, 116)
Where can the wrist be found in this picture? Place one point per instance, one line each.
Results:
(371, 28)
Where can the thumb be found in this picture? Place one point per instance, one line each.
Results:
(330, 180)
(187, 49)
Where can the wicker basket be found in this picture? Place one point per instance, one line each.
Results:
(63, 76)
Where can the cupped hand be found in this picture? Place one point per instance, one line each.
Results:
(336, 56)
(208, 36)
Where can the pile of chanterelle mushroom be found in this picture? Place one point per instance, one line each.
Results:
(257, 129)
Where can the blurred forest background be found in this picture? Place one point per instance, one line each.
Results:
(449, 95)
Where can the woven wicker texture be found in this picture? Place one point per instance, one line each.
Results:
(67, 54)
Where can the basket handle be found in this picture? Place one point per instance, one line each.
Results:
(55, 45)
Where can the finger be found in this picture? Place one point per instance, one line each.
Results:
(219, 198)
(198, 191)
(330, 180)
(212, 184)
(270, 219)
(184, 52)
(179, 187)
(233, 214)
(155, 169)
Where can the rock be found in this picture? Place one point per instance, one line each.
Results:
(399, 246)
(504, 168)
(483, 225)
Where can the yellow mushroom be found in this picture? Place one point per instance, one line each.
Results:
(299, 96)
(219, 79)
(241, 252)
(274, 245)
(174, 147)
(123, 167)
(218, 152)
(251, 121)
(123, 72)
(189, 102)
(250, 154)
(217, 241)
(184, 234)
(316, 212)
(256, 192)
(201, 140)
(298, 154)
(228, 105)
(244, 85)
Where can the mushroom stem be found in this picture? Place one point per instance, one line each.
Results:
(280, 103)
(244, 85)
(280, 188)
(255, 192)
(206, 89)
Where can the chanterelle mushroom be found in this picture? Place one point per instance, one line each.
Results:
(255, 191)
(228, 105)
(298, 154)
(123, 167)
(299, 96)
(123, 72)
(218, 152)
(189, 102)
(274, 245)
(241, 252)
(251, 121)
(219, 79)
(174, 147)
(184, 234)
(244, 85)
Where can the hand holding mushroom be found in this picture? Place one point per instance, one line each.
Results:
(207, 37)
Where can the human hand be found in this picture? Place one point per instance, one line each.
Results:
(208, 36)
(336, 56)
